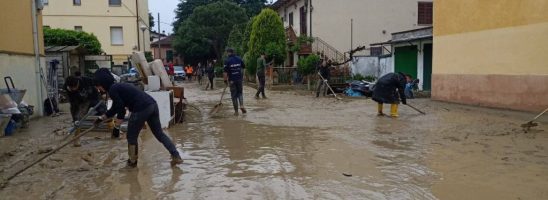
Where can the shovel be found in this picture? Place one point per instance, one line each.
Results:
(531, 124)
(328, 86)
(416, 109)
(218, 106)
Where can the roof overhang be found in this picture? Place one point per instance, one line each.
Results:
(408, 36)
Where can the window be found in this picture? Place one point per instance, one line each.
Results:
(425, 13)
(114, 2)
(116, 35)
(78, 28)
(76, 2)
(290, 19)
(302, 22)
(45, 2)
(376, 51)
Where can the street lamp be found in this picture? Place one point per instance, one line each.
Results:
(143, 28)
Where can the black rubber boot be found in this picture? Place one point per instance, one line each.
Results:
(132, 151)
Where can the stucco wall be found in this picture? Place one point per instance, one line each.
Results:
(331, 20)
(16, 32)
(21, 69)
(97, 17)
(491, 52)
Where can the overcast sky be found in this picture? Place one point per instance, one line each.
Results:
(167, 16)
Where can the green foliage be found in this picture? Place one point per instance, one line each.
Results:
(370, 78)
(151, 22)
(268, 36)
(358, 76)
(206, 31)
(148, 56)
(307, 65)
(62, 37)
(301, 40)
(236, 38)
(186, 7)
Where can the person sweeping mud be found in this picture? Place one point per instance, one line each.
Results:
(143, 109)
(233, 75)
(325, 72)
(82, 95)
(389, 89)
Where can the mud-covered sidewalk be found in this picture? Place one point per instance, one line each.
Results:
(294, 146)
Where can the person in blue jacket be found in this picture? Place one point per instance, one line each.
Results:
(233, 75)
(143, 109)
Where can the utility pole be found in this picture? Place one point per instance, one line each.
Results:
(159, 39)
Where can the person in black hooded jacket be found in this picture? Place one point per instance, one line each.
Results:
(82, 95)
(143, 109)
(390, 89)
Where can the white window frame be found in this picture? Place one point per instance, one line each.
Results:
(112, 37)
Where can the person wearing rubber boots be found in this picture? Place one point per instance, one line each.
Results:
(82, 96)
(389, 89)
(261, 75)
(233, 75)
(143, 109)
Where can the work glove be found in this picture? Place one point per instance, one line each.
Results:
(98, 121)
(404, 101)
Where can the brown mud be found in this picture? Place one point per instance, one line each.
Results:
(294, 146)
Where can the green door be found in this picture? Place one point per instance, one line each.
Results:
(406, 60)
(427, 82)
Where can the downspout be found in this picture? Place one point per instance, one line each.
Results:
(37, 63)
(137, 26)
(311, 9)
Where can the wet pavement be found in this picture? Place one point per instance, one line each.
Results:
(294, 146)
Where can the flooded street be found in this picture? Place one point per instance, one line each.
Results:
(294, 146)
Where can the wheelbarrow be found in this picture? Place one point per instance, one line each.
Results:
(15, 94)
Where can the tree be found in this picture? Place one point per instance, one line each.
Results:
(252, 7)
(62, 37)
(307, 66)
(150, 22)
(186, 7)
(206, 30)
(268, 36)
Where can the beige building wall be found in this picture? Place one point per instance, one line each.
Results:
(493, 55)
(97, 17)
(373, 20)
(17, 58)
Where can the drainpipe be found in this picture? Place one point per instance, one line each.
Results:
(311, 9)
(37, 63)
(137, 26)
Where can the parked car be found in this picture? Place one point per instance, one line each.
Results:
(179, 73)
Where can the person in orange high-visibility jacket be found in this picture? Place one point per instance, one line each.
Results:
(189, 70)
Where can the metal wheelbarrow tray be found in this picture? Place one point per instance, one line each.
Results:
(15, 94)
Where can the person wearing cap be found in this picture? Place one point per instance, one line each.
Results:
(82, 96)
(390, 89)
(233, 75)
(143, 109)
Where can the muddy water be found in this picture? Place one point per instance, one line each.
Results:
(297, 147)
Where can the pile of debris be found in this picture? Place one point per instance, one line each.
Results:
(14, 112)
